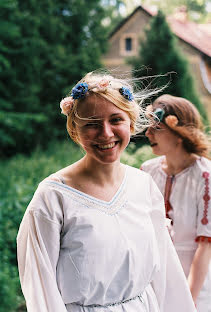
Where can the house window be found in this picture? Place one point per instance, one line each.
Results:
(128, 44)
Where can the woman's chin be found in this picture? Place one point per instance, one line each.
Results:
(156, 150)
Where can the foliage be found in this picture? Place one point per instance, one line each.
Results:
(45, 48)
(19, 179)
(196, 9)
(135, 157)
(113, 13)
(159, 52)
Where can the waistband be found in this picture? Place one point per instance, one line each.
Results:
(110, 304)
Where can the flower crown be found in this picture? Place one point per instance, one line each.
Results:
(171, 120)
(80, 90)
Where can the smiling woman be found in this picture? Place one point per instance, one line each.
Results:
(90, 240)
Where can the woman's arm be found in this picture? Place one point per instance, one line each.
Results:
(38, 252)
(38, 248)
(199, 268)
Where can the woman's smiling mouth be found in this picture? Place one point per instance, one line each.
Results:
(153, 144)
(106, 146)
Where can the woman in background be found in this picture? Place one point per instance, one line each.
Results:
(93, 237)
(182, 173)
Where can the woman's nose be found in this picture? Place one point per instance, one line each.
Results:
(149, 132)
(106, 130)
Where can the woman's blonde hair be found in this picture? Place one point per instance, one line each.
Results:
(188, 126)
(109, 87)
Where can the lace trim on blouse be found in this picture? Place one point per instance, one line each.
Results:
(112, 207)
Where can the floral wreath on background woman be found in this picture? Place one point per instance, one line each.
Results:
(171, 120)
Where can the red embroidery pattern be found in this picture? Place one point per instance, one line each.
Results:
(203, 239)
(206, 197)
(169, 182)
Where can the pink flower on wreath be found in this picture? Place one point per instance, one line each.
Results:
(103, 84)
(171, 121)
(66, 105)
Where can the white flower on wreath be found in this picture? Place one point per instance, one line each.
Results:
(66, 105)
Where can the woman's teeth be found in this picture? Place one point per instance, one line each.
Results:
(107, 146)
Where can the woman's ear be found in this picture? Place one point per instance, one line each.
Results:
(179, 140)
(131, 128)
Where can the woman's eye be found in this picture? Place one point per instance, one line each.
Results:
(92, 125)
(116, 120)
(156, 127)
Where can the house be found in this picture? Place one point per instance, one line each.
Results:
(193, 39)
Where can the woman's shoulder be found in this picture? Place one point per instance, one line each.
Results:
(203, 167)
(151, 164)
(136, 172)
(47, 199)
(139, 178)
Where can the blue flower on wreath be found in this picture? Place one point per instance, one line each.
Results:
(79, 90)
(126, 93)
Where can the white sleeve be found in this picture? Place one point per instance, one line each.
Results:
(170, 284)
(38, 246)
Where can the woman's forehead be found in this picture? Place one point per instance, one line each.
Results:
(97, 107)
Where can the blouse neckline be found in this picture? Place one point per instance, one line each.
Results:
(179, 173)
(86, 196)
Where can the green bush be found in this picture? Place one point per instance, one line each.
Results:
(135, 157)
(18, 132)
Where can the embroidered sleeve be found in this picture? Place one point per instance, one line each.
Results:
(204, 209)
(203, 239)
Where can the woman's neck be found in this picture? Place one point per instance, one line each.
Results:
(177, 162)
(101, 173)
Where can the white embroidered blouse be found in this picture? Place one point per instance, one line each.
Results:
(78, 253)
(190, 200)
(190, 211)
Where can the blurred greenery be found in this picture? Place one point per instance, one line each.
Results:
(197, 10)
(19, 179)
(45, 48)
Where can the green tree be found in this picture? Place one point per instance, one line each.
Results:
(160, 53)
(197, 10)
(45, 47)
(20, 66)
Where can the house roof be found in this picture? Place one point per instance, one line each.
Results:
(193, 34)
(124, 21)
